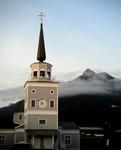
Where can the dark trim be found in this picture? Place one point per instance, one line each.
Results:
(42, 132)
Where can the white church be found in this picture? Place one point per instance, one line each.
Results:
(36, 120)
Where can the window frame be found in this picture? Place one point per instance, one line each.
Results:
(34, 91)
(31, 103)
(42, 119)
(68, 140)
(51, 91)
(2, 141)
(48, 74)
(20, 118)
(42, 72)
(50, 104)
(35, 73)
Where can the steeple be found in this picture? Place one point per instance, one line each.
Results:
(41, 54)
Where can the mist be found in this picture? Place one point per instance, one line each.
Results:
(69, 88)
(77, 87)
(11, 95)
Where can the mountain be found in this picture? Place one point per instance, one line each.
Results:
(91, 83)
(88, 99)
(91, 110)
(6, 116)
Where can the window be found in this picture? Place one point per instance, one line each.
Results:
(2, 140)
(67, 140)
(42, 121)
(20, 116)
(33, 91)
(42, 74)
(33, 103)
(52, 104)
(48, 74)
(35, 73)
(51, 92)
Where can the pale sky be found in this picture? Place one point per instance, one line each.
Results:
(79, 34)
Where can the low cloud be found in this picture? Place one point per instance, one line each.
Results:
(89, 87)
(75, 87)
(11, 95)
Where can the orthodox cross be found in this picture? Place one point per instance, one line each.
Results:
(41, 16)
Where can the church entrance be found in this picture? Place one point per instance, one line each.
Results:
(39, 142)
(42, 142)
(43, 139)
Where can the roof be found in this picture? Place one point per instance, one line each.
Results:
(41, 55)
(68, 125)
(91, 128)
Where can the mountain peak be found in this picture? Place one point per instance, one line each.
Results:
(88, 73)
(105, 75)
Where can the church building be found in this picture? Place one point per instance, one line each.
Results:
(36, 117)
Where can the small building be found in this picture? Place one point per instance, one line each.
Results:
(92, 138)
(69, 136)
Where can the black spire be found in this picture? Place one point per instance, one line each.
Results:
(41, 54)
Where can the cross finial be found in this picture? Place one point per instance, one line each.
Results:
(41, 16)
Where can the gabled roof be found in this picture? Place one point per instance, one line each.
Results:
(68, 125)
(19, 126)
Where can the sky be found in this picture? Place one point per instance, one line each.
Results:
(79, 34)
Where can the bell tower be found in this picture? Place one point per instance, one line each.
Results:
(41, 102)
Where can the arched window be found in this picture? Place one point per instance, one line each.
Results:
(48, 74)
(42, 73)
(33, 104)
(52, 104)
(35, 73)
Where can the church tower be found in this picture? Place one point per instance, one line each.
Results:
(41, 102)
